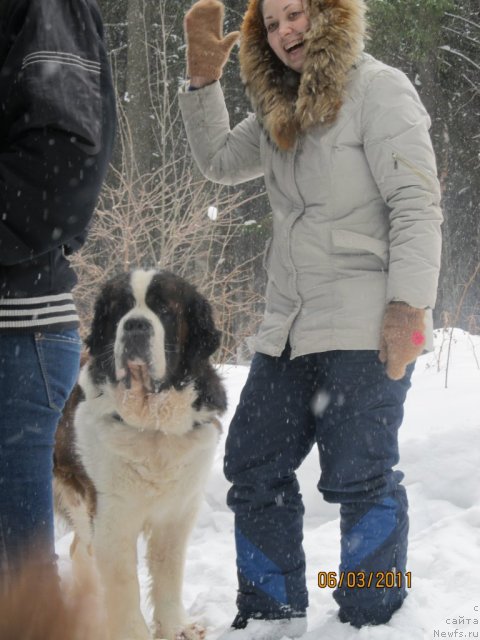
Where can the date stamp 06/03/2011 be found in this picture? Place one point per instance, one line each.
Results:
(363, 580)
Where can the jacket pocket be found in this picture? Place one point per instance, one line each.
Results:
(357, 243)
(400, 161)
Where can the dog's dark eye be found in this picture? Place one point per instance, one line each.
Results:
(120, 308)
(165, 310)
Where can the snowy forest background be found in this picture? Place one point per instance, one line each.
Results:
(156, 210)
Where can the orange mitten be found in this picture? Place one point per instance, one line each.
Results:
(402, 339)
(207, 49)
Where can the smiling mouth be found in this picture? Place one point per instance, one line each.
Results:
(294, 47)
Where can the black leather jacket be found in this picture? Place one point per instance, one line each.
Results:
(57, 124)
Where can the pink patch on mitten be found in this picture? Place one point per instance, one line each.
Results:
(418, 338)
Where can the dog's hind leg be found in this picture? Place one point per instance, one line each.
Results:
(82, 591)
(84, 570)
(167, 544)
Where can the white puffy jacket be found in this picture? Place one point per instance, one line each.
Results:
(355, 205)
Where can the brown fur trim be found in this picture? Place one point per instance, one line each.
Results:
(288, 104)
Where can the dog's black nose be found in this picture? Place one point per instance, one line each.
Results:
(137, 325)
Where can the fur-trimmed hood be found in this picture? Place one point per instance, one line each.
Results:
(287, 103)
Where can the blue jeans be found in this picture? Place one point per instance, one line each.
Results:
(343, 401)
(37, 373)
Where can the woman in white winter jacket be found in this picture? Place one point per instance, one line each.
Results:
(342, 142)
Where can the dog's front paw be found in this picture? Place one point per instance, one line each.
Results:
(192, 632)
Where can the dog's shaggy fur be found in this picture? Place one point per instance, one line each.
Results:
(136, 455)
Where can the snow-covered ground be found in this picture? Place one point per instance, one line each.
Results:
(440, 456)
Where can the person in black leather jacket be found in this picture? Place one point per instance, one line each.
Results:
(57, 125)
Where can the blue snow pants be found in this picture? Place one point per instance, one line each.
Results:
(344, 401)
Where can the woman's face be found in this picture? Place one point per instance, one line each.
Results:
(286, 23)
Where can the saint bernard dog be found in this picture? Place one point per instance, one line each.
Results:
(135, 446)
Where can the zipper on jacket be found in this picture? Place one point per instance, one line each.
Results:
(397, 158)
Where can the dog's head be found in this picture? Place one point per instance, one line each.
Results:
(154, 320)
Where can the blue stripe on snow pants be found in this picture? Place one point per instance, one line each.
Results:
(344, 401)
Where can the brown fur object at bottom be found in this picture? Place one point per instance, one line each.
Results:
(34, 608)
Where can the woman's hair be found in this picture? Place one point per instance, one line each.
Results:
(260, 7)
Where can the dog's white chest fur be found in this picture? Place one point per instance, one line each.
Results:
(146, 461)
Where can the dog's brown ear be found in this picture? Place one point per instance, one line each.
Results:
(203, 337)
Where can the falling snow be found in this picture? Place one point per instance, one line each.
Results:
(440, 444)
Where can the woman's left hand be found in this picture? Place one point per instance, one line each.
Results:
(403, 337)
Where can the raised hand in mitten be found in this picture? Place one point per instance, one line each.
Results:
(402, 339)
(207, 49)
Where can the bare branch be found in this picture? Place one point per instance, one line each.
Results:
(453, 15)
(447, 48)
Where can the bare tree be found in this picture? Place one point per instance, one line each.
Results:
(162, 214)
(185, 227)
